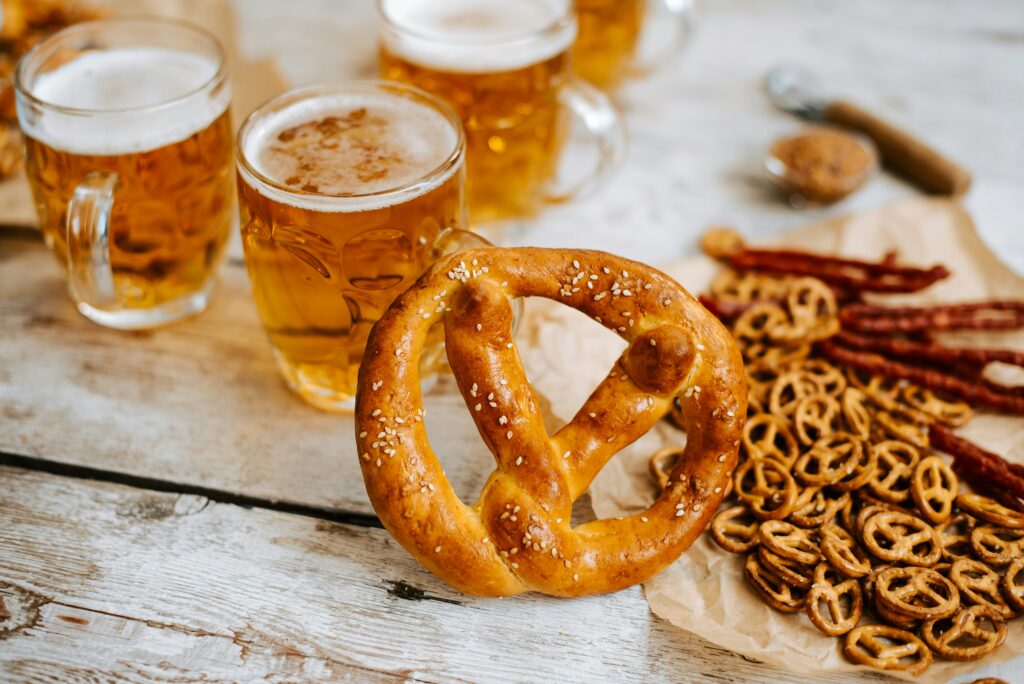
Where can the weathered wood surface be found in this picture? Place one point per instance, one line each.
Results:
(107, 582)
(102, 581)
(200, 403)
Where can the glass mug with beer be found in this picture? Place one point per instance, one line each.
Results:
(622, 38)
(347, 193)
(129, 156)
(505, 68)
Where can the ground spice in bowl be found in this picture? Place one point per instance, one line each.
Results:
(821, 165)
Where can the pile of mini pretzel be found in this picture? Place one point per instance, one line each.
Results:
(839, 504)
(899, 347)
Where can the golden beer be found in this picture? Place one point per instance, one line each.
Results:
(130, 156)
(344, 194)
(170, 221)
(609, 33)
(502, 66)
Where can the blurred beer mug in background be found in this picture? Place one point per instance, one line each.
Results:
(622, 38)
(506, 70)
(348, 193)
(129, 155)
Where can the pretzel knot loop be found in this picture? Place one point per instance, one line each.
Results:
(517, 536)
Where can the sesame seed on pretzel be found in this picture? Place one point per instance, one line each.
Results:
(517, 537)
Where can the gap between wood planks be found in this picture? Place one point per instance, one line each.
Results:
(16, 232)
(80, 472)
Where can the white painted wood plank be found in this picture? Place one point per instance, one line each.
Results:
(104, 581)
(199, 403)
(66, 643)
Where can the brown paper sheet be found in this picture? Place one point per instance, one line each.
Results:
(704, 591)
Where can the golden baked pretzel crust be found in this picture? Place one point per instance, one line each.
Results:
(517, 537)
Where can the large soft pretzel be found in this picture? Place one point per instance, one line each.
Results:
(518, 537)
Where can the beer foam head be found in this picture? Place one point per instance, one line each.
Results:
(478, 36)
(338, 151)
(126, 100)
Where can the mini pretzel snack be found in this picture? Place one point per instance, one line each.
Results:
(518, 536)
(845, 501)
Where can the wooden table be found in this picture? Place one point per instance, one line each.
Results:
(168, 511)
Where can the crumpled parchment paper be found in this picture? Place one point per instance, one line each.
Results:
(704, 591)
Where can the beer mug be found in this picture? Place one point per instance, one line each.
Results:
(506, 70)
(129, 155)
(622, 38)
(347, 193)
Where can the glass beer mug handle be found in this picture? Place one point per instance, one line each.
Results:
(88, 239)
(454, 240)
(604, 124)
(674, 21)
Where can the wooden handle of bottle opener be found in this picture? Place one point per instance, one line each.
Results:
(902, 152)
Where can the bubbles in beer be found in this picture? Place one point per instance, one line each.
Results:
(117, 81)
(351, 145)
(478, 36)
